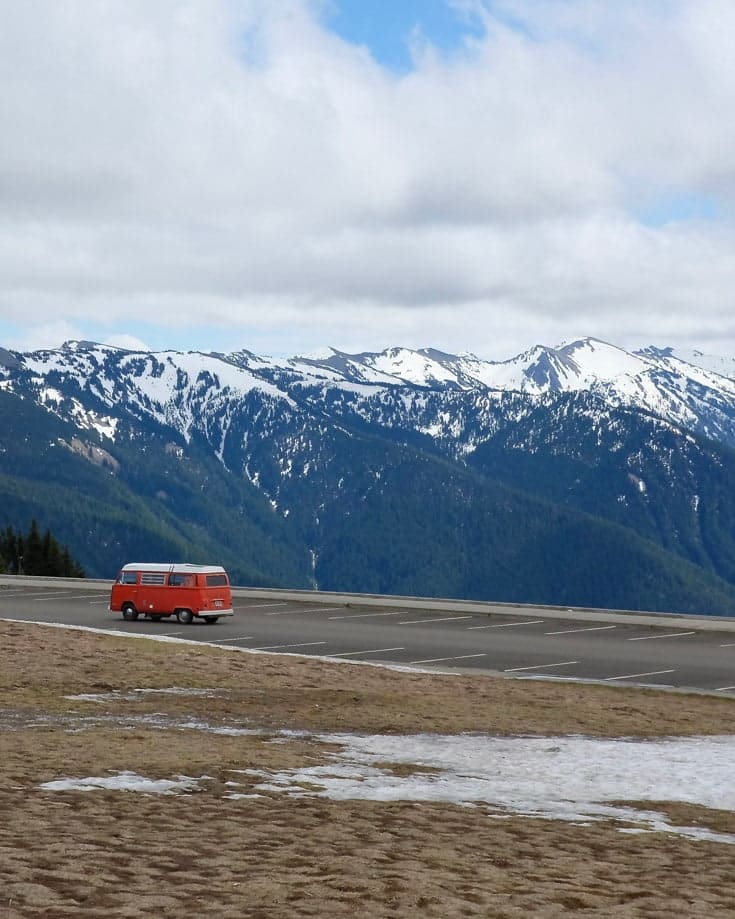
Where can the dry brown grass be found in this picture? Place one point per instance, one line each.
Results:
(103, 853)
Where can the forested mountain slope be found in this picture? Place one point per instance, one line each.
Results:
(405, 472)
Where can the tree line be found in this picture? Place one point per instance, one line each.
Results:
(36, 554)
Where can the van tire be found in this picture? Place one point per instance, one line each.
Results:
(185, 616)
(210, 620)
(129, 612)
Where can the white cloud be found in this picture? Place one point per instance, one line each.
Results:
(232, 163)
(129, 342)
(40, 336)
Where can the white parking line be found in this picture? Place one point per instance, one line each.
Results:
(632, 676)
(62, 597)
(654, 637)
(724, 688)
(731, 645)
(241, 638)
(311, 609)
(438, 660)
(594, 628)
(373, 651)
(540, 666)
(397, 612)
(446, 619)
(264, 605)
(505, 625)
(302, 644)
(302, 610)
(56, 596)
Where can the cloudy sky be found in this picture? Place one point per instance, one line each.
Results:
(477, 175)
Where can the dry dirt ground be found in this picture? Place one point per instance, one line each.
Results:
(126, 854)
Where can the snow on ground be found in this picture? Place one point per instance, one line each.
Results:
(560, 778)
(570, 778)
(573, 778)
(138, 694)
(126, 781)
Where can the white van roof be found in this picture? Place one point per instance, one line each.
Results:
(174, 568)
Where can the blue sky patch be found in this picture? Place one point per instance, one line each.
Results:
(386, 27)
(679, 207)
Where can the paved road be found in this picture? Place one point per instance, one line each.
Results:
(521, 644)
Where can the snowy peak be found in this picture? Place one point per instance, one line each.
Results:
(723, 366)
(571, 367)
(656, 381)
(419, 368)
(184, 390)
(189, 389)
(590, 361)
(355, 368)
(539, 370)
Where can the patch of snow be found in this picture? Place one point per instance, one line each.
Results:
(559, 778)
(137, 694)
(104, 425)
(254, 479)
(126, 781)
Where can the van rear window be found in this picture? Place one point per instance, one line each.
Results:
(216, 580)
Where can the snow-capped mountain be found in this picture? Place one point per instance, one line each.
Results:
(658, 381)
(451, 397)
(695, 392)
(342, 469)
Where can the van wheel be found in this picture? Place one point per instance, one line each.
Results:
(210, 620)
(185, 615)
(129, 612)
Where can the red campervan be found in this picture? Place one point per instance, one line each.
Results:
(184, 591)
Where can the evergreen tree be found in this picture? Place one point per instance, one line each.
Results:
(50, 555)
(9, 549)
(34, 554)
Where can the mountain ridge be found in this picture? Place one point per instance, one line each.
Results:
(288, 467)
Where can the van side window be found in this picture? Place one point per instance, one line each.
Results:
(216, 580)
(128, 577)
(181, 580)
(152, 577)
